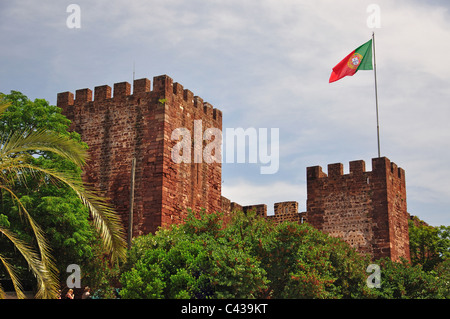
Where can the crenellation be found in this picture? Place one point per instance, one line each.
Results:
(380, 165)
(64, 99)
(401, 175)
(178, 90)
(357, 167)
(141, 86)
(394, 169)
(198, 102)
(228, 206)
(122, 90)
(83, 96)
(188, 96)
(260, 209)
(217, 114)
(314, 172)
(163, 83)
(335, 170)
(102, 92)
(285, 208)
(208, 109)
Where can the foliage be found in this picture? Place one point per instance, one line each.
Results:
(442, 272)
(401, 280)
(42, 194)
(26, 115)
(193, 260)
(247, 258)
(428, 245)
(303, 262)
(430, 252)
(250, 257)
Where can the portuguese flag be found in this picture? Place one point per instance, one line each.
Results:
(358, 59)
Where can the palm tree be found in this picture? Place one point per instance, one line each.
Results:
(15, 165)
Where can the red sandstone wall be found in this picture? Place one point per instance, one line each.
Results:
(188, 185)
(366, 209)
(398, 217)
(139, 125)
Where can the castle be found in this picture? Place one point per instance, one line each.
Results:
(367, 209)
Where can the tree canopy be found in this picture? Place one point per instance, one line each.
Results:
(41, 184)
(251, 257)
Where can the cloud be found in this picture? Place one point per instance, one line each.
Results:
(265, 64)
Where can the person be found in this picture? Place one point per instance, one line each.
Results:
(86, 293)
(69, 294)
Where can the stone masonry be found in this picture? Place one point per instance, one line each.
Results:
(139, 124)
(365, 209)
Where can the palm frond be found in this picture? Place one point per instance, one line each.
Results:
(14, 278)
(3, 106)
(20, 142)
(15, 165)
(47, 287)
(105, 219)
(9, 174)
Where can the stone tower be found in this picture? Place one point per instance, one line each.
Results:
(139, 124)
(366, 209)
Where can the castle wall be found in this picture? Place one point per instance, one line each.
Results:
(197, 184)
(283, 211)
(120, 127)
(366, 209)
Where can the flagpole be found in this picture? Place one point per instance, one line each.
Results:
(376, 92)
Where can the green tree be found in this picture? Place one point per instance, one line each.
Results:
(443, 274)
(56, 208)
(25, 154)
(248, 257)
(401, 280)
(302, 262)
(429, 246)
(26, 115)
(194, 260)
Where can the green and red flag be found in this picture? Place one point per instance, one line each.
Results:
(358, 59)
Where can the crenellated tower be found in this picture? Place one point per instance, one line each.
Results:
(119, 124)
(365, 208)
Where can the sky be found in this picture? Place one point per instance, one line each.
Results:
(264, 64)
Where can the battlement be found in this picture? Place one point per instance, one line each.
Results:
(365, 208)
(285, 208)
(261, 209)
(124, 124)
(163, 89)
(121, 122)
(380, 166)
(283, 211)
